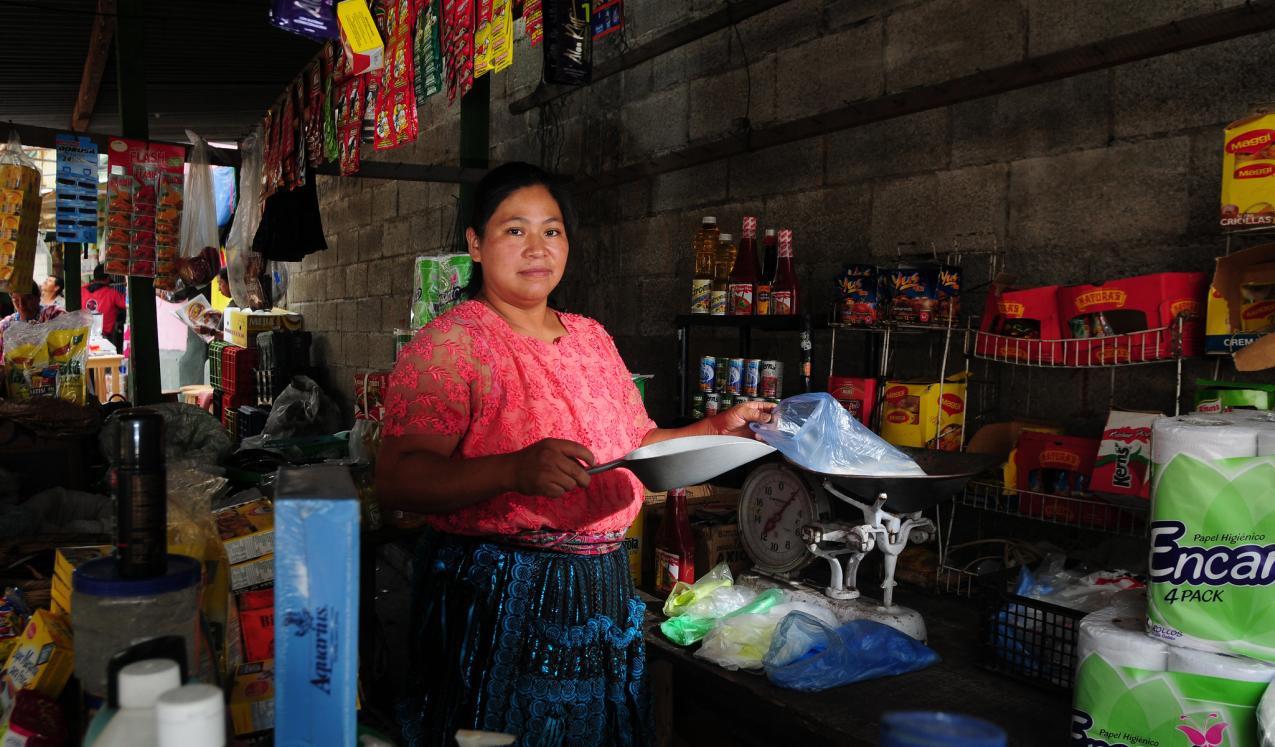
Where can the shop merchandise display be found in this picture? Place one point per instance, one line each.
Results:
(76, 189)
(925, 414)
(926, 293)
(49, 359)
(1241, 299)
(144, 207)
(724, 382)
(1248, 173)
(19, 216)
(440, 285)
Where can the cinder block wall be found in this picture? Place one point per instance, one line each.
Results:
(1102, 175)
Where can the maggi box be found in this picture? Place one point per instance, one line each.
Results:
(316, 606)
(1248, 173)
(247, 530)
(1241, 302)
(243, 325)
(924, 414)
(252, 699)
(43, 659)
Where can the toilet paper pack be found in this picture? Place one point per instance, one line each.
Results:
(1212, 554)
(1133, 690)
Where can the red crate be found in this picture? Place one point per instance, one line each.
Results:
(237, 366)
(230, 403)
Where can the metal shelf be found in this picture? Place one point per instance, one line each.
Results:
(893, 327)
(1084, 513)
(1160, 345)
(784, 323)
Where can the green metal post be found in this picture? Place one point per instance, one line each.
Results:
(71, 275)
(130, 54)
(475, 115)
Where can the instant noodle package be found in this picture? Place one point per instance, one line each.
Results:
(49, 359)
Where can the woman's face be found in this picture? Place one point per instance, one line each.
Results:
(523, 249)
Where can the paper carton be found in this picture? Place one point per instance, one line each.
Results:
(252, 698)
(1248, 173)
(362, 42)
(316, 605)
(924, 414)
(1054, 469)
(1129, 306)
(858, 395)
(243, 325)
(247, 530)
(1024, 324)
(1123, 465)
(256, 623)
(1241, 301)
(43, 659)
(252, 572)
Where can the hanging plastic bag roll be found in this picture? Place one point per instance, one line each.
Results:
(1223, 666)
(1118, 634)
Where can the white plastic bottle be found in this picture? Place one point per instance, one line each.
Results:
(140, 686)
(191, 716)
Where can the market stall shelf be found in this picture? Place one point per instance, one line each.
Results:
(1160, 345)
(1082, 512)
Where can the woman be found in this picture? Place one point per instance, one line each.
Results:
(51, 292)
(525, 619)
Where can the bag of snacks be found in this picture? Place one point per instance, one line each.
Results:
(19, 216)
(440, 285)
(48, 360)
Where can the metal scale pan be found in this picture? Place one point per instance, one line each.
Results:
(946, 473)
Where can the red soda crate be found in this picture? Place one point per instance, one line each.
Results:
(237, 368)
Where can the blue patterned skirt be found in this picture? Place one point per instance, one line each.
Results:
(543, 645)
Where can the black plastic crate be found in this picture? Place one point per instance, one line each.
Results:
(251, 421)
(285, 350)
(1027, 639)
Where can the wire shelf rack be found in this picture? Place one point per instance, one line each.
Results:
(1085, 513)
(1160, 345)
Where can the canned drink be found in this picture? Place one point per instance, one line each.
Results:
(752, 376)
(723, 366)
(712, 404)
(697, 406)
(707, 373)
(735, 376)
(768, 375)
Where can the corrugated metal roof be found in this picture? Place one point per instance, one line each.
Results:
(212, 67)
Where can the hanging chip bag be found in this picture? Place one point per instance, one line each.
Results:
(68, 355)
(19, 215)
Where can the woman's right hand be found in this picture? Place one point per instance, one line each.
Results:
(551, 467)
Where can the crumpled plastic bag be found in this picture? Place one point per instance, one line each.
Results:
(816, 433)
(199, 218)
(689, 629)
(810, 656)
(1074, 589)
(741, 641)
(1266, 718)
(685, 596)
(302, 409)
(190, 434)
(59, 511)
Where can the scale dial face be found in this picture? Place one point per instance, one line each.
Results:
(774, 504)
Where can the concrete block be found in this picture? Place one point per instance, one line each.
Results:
(719, 104)
(783, 168)
(423, 234)
(384, 201)
(1204, 182)
(659, 298)
(916, 142)
(708, 55)
(643, 20)
(830, 71)
(395, 239)
(945, 39)
(380, 354)
(370, 244)
(638, 82)
(1053, 26)
(335, 286)
(1069, 114)
(413, 197)
(369, 313)
(937, 208)
(634, 199)
(356, 280)
(673, 67)
(348, 317)
(698, 185)
(656, 124)
(785, 25)
(841, 13)
(828, 225)
(528, 67)
(600, 143)
(1195, 88)
(402, 276)
(1120, 193)
(506, 126)
(520, 149)
(321, 317)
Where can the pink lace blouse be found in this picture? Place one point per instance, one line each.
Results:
(468, 373)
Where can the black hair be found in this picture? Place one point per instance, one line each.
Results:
(35, 289)
(222, 274)
(502, 181)
(59, 282)
(99, 272)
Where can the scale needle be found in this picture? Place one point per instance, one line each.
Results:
(773, 521)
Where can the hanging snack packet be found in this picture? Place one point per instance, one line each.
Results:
(331, 152)
(568, 43)
(500, 42)
(482, 38)
(427, 52)
(19, 216)
(349, 116)
(458, 46)
(533, 14)
(396, 98)
(26, 358)
(313, 122)
(68, 355)
(440, 285)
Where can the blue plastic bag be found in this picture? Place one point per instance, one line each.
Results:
(816, 433)
(807, 655)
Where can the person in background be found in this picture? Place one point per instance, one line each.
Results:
(525, 620)
(28, 309)
(99, 297)
(51, 292)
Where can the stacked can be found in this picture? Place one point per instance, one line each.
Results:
(725, 382)
(771, 379)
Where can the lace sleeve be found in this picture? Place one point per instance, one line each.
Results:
(429, 388)
(638, 422)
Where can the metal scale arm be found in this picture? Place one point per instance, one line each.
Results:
(890, 534)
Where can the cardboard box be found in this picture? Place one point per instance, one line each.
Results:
(1248, 173)
(1126, 306)
(1123, 466)
(1224, 396)
(252, 572)
(1053, 469)
(67, 559)
(43, 659)
(1257, 356)
(359, 37)
(913, 293)
(1241, 301)
(858, 395)
(256, 623)
(923, 414)
(316, 605)
(719, 543)
(860, 290)
(1024, 324)
(243, 325)
(247, 530)
(252, 697)
(1000, 438)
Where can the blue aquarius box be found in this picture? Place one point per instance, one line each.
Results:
(316, 598)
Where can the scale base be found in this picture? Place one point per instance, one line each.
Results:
(902, 619)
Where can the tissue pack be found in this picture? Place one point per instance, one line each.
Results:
(316, 606)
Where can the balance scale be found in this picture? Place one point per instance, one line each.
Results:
(786, 522)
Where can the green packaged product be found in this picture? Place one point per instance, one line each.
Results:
(440, 285)
(1221, 396)
(691, 628)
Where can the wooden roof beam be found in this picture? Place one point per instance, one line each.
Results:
(94, 65)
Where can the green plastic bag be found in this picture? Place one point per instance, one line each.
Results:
(689, 629)
(684, 595)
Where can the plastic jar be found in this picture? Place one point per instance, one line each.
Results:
(110, 613)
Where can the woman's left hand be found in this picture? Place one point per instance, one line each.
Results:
(734, 422)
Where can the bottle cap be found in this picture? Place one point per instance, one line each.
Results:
(141, 439)
(142, 682)
(191, 716)
(708, 220)
(770, 232)
(726, 237)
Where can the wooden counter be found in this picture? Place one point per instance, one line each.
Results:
(699, 703)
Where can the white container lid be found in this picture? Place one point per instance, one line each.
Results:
(142, 682)
(191, 716)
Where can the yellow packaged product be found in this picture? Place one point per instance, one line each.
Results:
(252, 572)
(247, 530)
(67, 559)
(19, 216)
(1248, 173)
(68, 352)
(925, 414)
(26, 360)
(43, 659)
(252, 699)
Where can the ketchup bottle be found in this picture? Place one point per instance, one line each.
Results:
(674, 545)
